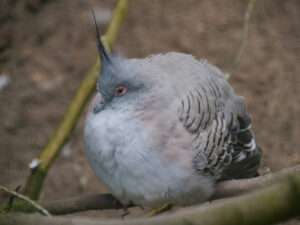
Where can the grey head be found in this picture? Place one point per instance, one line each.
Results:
(120, 83)
(157, 79)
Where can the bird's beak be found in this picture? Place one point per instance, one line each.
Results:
(99, 104)
(98, 107)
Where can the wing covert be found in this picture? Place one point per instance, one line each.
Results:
(220, 137)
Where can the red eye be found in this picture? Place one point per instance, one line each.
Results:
(120, 91)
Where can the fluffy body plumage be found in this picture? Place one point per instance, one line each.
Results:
(178, 130)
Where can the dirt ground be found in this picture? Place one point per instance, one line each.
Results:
(46, 47)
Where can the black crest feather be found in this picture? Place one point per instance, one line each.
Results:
(104, 55)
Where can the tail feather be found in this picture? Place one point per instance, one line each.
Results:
(245, 168)
(246, 155)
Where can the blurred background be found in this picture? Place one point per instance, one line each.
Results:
(47, 46)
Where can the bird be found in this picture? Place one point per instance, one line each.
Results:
(166, 129)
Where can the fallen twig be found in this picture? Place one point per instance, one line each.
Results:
(34, 204)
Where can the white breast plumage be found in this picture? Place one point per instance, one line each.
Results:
(131, 173)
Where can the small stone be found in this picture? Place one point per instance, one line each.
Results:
(4, 81)
(34, 164)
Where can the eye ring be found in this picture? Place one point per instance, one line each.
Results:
(120, 91)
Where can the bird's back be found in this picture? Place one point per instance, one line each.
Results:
(213, 115)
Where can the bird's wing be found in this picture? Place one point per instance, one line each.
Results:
(215, 117)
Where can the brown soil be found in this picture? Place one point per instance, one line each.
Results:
(47, 47)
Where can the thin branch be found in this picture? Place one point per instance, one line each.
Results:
(83, 203)
(34, 204)
(62, 134)
(245, 39)
(273, 204)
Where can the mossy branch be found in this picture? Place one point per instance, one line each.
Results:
(269, 205)
(224, 189)
(62, 134)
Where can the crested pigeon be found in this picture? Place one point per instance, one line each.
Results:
(166, 129)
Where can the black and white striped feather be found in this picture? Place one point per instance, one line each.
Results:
(222, 138)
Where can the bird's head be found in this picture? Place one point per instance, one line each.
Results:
(120, 83)
(155, 80)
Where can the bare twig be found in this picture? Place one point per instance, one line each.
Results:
(154, 212)
(37, 206)
(244, 41)
(267, 206)
(82, 203)
(62, 134)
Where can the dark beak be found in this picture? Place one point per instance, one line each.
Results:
(99, 106)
